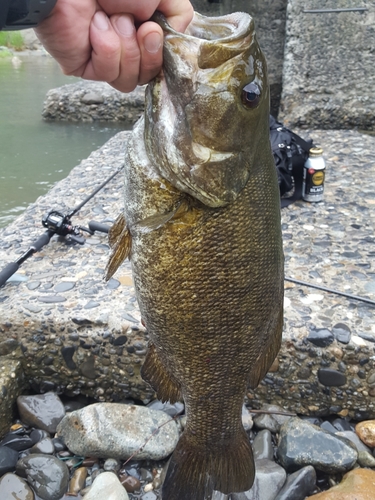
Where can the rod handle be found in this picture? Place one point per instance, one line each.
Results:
(8, 271)
(96, 226)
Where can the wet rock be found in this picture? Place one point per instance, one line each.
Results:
(16, 442)
(37, 435)
(168, 408)
(58, 445)
(271, 420)
(298, 485)
(301, 444)
(150, 495)
(48, 475)
(365, 459)
(341, 425)
(111, 465)
(358, 484)
(15, 488)
(329, 377)
(342, 333)
(8, 460)
(44, 446)
(366, 432)
(108, 486)
(352, 436)
(269, 479)
(321, 338)
(77, 482)
(92, 98)
(327, 426)
(43, 411)
(126, 430)
(130, 483)
(262, 445)
(247, 420)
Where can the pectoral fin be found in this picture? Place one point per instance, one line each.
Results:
(156, 221)
(120, 241)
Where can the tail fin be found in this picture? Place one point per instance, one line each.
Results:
(196, 470)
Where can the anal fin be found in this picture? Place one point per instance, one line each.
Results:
(163, 383)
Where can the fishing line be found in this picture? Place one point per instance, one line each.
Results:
(331, 290)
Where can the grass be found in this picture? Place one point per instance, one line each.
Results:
(12, 40)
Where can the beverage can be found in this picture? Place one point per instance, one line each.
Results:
(313, 176)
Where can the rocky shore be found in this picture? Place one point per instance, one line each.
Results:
(60, 448)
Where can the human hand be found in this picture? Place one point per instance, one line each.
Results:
(111, 40)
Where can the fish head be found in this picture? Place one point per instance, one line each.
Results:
(207, 112)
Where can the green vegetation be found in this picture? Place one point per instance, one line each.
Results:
(5, 53)
(12, 40)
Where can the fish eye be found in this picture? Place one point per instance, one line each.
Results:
(250, 95)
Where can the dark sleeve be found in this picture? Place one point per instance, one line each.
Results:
(22, 14)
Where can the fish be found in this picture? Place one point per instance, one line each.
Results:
(201, 227)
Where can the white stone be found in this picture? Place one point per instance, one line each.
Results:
(114, 430)
(107, 486)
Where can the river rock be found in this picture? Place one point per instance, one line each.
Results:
(271, 420)
(15, 488)
(365, 459)
(352, 436)
(16, 442)
(44, 446)
(77, 481)
(269, 479)
(262, 445)
(298, 485)
(43, 411)
(48, 475)
(358, 484)
(108, 486)
(8, 460)
(301, 444)
(126, 429)
(366, 432)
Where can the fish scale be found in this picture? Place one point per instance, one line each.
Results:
(206, 253)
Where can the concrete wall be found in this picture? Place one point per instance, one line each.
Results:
(329, 66)
(322, 63)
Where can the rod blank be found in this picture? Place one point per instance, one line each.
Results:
(325, 11)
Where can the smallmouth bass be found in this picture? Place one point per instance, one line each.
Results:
(201, 227)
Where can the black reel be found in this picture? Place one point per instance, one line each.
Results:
(60, 224)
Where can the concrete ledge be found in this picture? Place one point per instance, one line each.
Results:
(12, 384)
(79, 334)
(93, 101)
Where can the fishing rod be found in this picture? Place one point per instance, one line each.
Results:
(58, 223)
(331, 290)
(328, 11)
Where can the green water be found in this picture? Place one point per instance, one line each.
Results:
(34, 154)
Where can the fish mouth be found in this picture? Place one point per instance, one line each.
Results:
(223, 29)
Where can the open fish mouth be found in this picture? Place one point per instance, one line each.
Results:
(228, 28)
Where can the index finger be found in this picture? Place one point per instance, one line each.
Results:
(179, 13)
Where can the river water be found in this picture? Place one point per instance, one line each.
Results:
(34, 154)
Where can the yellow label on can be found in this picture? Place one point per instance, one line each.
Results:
(318, 178)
